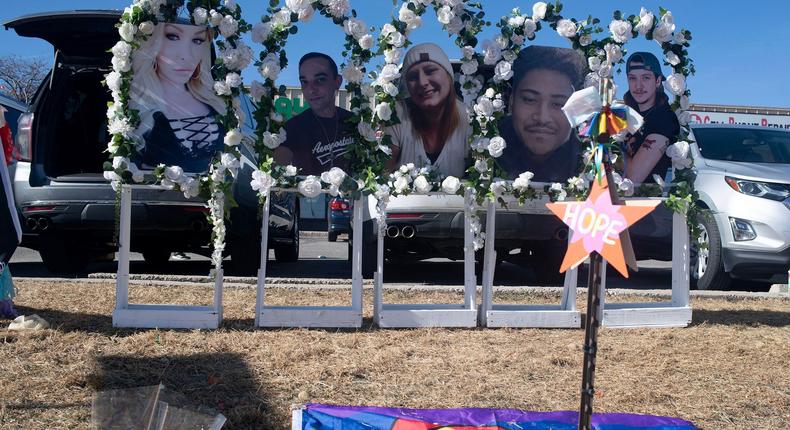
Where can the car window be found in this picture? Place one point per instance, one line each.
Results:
(744, 145)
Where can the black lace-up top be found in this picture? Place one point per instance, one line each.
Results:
(187, 142)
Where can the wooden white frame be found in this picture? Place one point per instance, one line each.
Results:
(428, 315)
(675, 313)
(127, 314)
(311, 316)
(563, 315)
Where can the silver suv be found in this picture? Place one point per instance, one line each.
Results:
(743, 178)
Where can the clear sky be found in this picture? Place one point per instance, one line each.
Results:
(741, 50)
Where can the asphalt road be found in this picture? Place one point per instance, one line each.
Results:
(320, 259)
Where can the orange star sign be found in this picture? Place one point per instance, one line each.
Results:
(599, 225)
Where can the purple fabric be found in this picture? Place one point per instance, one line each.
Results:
(478, 417)
(7, 309)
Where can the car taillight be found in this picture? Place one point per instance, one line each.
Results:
(24, 138)
(338, 205)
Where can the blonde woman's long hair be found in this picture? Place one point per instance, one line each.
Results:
(146, 90)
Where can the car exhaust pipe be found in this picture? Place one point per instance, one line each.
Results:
(392, 231)
(32, 224)
(407, 232)
(561, 234)
(43, 224)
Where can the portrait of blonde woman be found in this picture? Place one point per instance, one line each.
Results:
(433, 125)
(173, 90)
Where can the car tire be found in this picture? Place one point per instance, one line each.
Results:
(332, 236)
(289, 253)
(707, 264)
(157, 257)
(62, 256)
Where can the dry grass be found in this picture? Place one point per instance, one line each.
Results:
(728, 370)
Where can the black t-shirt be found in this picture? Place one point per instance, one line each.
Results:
(318, 144)
(163, 146)
(658, 120)
(517, 158)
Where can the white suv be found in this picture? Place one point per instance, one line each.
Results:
(743, 178)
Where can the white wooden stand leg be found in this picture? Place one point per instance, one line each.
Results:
(155, 315)
(563, 315)
(313, 316)
(675, 313)
(430, 315)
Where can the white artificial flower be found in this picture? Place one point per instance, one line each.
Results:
(366, 41)
(522, 182)
(516, 21)
(492, 52)
(290, 170)
(222, 88)
(270, 67)
(498, 188)
(114, 81)
(577, 183)
(271, 140)
(215, 18)
(665, 28)
(684, 102)
(237, 58)
(498, 103)
(621, 30)
(390, 89)
(585, 39)
(481, 165)
(200, 16)
(392, 56)
(297, 6)
(120, 126)
(561, 193)
(509, 55)
(113, 110)
(445, 14)
(112, 147)
(146, 27)
(469, 67)
(281, 19)
(591, 80)
(306, 14)
(421, 185)
(672, 58)
(112, 176)
(355, 27)
(233, 137)
(680, 38)
(408, 17)
(484, 107)
(228, 27)
(401, 184)
(676, 150)
(190, 188)
(503, 71)
(384, 111)
(352, 73)
(396, 39)
(337, 8)
(127, 31)
(605, 71)
(566, 28)
(261, 182)
(310, 187)
(467, 52)
(613, 53)
(451, 184)
(388, 73)
(335, 176)
(368, 91)
(230, 162)
(645, 22)
(496, 146)
(529, 28)
(257, 91)
(121, 65)
(539, 11)
(174, 174)
(626, 186)
(233, 80)
(455, 26)
(261, 31)
(517, 39)
(676, 83)
(118, 162)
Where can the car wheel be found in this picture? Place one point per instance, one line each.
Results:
(332, 236)
(156, 257)
(61, 256)
(707, 264)
(290, 252)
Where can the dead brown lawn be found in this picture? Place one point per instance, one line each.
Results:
(728, 370)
